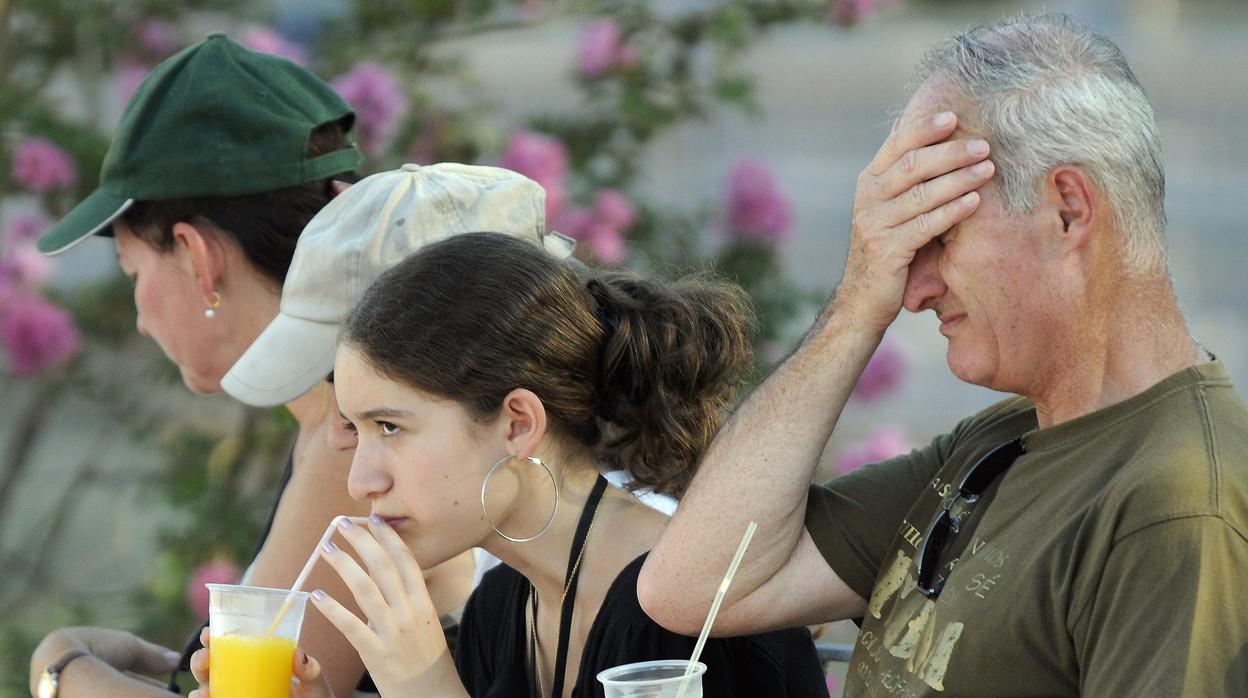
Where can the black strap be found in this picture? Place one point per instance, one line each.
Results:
(535, 688)
(55, 668)
(570, 580)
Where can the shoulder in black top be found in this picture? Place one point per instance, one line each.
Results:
(491, 657)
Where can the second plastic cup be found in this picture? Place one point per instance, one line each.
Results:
(243, 661)
(658, 679)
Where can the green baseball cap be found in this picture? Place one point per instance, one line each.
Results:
(216, 119)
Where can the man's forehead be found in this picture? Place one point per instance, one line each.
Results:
(937, 94)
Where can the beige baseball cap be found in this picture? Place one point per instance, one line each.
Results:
(364, 231)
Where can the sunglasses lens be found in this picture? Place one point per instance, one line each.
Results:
(932, 548)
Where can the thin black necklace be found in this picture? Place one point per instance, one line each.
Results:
(567, 602)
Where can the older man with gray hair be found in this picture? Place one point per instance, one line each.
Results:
(1087, 535)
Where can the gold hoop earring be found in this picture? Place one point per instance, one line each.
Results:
(549, 522)
(211, 311)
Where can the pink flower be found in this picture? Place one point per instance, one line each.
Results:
(265, 40)
(883, 374)
(215, 571)
(884, 442)
(574, 222)
(602, 227)
(849, 12)
(40, 166)
(544, 160)
(130, 74)
(757, 211)
(614, 209)
(26, 228)
(24, 268)
(157, 36)
(601, 49)
(36, 335)
(379, 103)
(606, 242)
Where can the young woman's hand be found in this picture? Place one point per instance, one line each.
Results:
(308, 681)
(402, 644)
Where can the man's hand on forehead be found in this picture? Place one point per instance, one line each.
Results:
(919, 158)
(921, 183)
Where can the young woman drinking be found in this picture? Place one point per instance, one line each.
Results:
(490, 386)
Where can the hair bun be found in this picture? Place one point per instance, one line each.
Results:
(672, 356)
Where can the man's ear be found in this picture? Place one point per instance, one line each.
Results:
(523, 420)
(202, 253)
(1075, 199)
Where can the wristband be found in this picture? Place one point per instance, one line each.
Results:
(50, 680)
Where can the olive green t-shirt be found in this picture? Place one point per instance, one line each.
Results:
(1111, 559)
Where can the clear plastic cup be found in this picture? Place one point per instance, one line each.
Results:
(244, 661)
(657, 679)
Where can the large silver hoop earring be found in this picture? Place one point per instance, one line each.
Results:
(554, 483)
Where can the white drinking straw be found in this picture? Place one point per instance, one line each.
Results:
(307, 568)
(719, 598)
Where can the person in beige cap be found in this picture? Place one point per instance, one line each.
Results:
(365, 231)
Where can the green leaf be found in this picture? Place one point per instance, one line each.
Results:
(731, 26)
(738, 91)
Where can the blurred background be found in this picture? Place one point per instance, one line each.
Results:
(669, 135)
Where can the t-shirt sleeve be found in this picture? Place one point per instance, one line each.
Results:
(1167, 616)
(853, 518)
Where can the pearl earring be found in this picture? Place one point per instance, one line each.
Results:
(211, 311)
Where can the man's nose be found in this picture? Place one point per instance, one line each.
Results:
(924, 284)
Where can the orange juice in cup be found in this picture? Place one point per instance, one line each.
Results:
(245, 660)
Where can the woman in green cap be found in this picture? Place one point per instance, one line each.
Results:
(221, 158)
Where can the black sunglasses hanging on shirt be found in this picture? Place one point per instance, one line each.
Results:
(947, 522)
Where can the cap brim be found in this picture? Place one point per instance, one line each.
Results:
(288, 358)
(94, 215)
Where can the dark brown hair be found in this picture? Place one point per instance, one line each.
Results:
(636, 371)
(266, 225)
